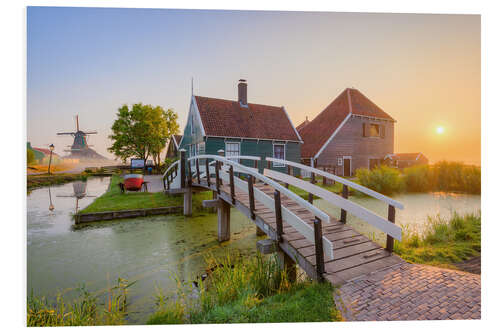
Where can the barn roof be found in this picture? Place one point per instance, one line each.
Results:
(319, 130)
(226, 118)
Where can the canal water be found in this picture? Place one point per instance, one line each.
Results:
(155, 250)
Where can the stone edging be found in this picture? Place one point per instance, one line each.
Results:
(112, 215)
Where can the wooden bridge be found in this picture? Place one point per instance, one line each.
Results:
(322, 245)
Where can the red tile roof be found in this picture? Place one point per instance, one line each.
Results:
(321, 128)
(227, 118)
(302, 124)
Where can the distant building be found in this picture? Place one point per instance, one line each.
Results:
(240, 128)
(405, 160)
(173, 146)
(350, 133)
(42, 155)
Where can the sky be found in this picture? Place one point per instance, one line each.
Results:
(422, 69)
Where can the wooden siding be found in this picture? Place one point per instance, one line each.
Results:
(350, 141)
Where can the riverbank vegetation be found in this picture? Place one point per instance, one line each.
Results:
(114, 200)
(444, 242)
(440, 177)
(36, 181)
(86, 310)
(242, 290)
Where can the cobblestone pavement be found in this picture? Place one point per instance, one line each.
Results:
(411, 292)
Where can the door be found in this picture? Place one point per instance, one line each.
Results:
(347, 167)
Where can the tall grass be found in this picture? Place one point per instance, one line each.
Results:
(444, 241)
(247, 290)
(85, 310)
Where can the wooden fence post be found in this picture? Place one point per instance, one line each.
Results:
(198, 171)
(183, 167)
(279, 218)
(345, 195)
(391, 217)
(318, 242)
(208, 171)
(190, 180)
(217, 178)
(313, 181)
(231, 184)
(251, 197)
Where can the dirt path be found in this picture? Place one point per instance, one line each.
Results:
(411, 292)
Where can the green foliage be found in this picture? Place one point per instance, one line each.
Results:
(243, 290)
(382, 179)
(444, 242)
(84, 311)
(142, 131)
(418, 178)
(30, 159)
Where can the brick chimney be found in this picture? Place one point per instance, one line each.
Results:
(242, 92)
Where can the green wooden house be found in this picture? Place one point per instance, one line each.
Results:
(240, 128)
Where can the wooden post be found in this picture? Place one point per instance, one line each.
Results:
(256, 165)
(208, 172)
(269, 165)
(279, 218)
(324, 178)
(217, 178)
(188, 202)
(288, 265)
(313, 181)
(391, 217)
(223, 221)
(251, 197)
(231, 184)
(190, 180)
(198, 171)
(288, 173)
(345, 195)
(183, 167)
(318, 243)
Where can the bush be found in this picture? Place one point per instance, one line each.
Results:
(418, 178)
(382, 179)
(30, 159)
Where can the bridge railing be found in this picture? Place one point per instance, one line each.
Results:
(388, 225)
(225, 170)
(170, 175)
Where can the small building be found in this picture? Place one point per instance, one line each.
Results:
(350, 133)
(240, 128)
(405, 160)
(173, 146)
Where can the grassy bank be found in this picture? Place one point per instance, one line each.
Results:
(36, 181)
(247, 291)
(86, 310)
(114, 200)
(444, 242)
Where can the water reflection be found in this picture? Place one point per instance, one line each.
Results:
(79, 192)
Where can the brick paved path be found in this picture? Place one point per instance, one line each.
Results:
(411, 292)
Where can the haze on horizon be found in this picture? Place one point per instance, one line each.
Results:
(422, 69)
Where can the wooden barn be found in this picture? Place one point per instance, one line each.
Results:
(350, 133)
(173, 146)
(405, 160)
(240, 128)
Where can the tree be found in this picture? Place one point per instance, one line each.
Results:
(30, 157)
(142, 131)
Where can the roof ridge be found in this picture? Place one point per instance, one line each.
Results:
(233, 101)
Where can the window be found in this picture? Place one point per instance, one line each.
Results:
(373, 130)
(232, 149)
(201, 148)
(279, 153)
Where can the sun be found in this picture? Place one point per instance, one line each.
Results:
(440, 130)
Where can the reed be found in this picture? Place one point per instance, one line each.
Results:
(383, 179)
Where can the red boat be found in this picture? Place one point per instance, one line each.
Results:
(133, 182)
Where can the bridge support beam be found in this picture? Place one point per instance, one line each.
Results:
(188, 202)
(223, 221)
(287, 264)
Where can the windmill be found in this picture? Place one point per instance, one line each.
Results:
(80, 148)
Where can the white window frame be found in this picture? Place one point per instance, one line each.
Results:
(277, 164)
(226, 150)
(350, 165)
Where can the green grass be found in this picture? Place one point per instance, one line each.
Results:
(85, 310)
(243, 290)
(114, 200)
(444, 242)
(36, 181)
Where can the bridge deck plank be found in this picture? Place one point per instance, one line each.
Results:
(354, 253)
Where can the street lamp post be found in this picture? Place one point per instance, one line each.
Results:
(51, 147)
